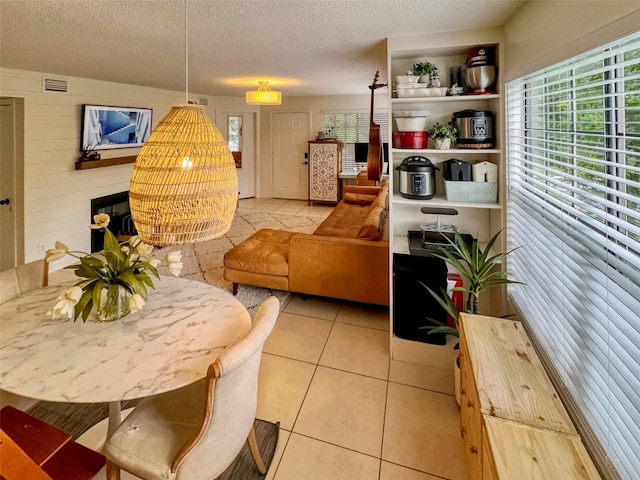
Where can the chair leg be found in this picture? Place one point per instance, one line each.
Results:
(113, 471)
(255, 452)
(234, 288)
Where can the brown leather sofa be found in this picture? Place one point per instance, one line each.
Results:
(346, 257)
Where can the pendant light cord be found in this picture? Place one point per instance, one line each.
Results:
(186, 55)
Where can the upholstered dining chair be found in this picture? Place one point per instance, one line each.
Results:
(14, 282)
(196, 432)
(22, 279)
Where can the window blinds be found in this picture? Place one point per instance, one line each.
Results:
(573, 148)
(353, 127)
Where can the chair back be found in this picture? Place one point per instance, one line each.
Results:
(232, 402)
(22, 279)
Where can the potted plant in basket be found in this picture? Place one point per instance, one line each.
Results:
(476, 267)
(443, 134)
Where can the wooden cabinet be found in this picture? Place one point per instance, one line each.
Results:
(325, 165)
(514, 424)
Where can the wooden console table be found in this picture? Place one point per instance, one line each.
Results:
(514, 424)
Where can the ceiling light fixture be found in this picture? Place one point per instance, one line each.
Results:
(184, 186)
(264, 95)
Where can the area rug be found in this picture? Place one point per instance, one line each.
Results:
(203, 261)
(77, 418)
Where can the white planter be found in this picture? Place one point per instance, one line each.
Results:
(435, 82)
(456, 378)
(443, 144)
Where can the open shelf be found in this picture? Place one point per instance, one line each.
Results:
(105, 162)
(453, 98)
(440, 201)
(450, 151)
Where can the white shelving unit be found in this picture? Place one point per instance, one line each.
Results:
(482, 220)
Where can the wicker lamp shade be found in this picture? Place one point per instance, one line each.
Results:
(184, 186)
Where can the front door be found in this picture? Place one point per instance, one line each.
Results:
(7, 184)
(289, 136)
(239, 129)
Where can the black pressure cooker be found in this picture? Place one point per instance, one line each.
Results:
(417, 177)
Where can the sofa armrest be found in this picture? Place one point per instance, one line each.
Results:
(346, 268)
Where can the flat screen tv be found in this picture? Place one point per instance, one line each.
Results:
(361, 151)
(104, 128)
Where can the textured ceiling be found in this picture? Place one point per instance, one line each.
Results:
(303, 47)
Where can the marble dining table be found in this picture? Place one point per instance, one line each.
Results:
(168, 344)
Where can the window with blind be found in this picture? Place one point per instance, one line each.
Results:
(573, 141)
(352, 128)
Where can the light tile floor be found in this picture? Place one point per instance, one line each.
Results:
(347, 411)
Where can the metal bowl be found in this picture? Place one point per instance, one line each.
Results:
(479, 78)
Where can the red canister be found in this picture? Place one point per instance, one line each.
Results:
(409, 139)
(455, 281)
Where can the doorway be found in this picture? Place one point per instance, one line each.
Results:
(8, 201)
(239, 130)
(289, 136)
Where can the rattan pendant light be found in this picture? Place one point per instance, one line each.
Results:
(184, 186)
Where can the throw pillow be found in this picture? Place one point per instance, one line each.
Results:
(371, 229)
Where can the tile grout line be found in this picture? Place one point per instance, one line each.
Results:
(306, 393)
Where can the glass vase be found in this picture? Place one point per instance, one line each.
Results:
(114, 303)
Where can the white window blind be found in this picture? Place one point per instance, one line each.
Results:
(353, 127)
(573, 141)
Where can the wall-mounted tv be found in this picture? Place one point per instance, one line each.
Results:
(114, 127)
(361, 151)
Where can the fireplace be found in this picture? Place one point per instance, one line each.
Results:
(121, 224)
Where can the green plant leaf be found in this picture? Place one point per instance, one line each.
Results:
(443, 300)
(97, 291)
(82, 304)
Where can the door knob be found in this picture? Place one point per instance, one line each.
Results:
(6, 201)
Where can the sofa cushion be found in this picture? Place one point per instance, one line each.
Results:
(265, 252)
(344, 222)
(359, 198)
(371, 229)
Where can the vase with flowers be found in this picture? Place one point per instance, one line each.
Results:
(115, 281)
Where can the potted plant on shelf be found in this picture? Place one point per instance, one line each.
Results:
(89, 154)
(443, 134)
(427, 72)
(476, 267)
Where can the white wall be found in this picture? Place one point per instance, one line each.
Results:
(56, 196)
(315, 106)
(543, 33)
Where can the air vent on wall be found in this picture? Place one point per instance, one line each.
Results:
(54, 85)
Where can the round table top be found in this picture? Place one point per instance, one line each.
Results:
(170, 343)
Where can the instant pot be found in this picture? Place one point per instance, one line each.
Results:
(475, 129)
(417, 177)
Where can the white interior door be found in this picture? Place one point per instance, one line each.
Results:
(289, 136)
(243, 142)
(7, 184)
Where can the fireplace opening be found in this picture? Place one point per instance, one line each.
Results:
(121, 224)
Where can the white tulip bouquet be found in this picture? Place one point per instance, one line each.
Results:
(126, 265)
